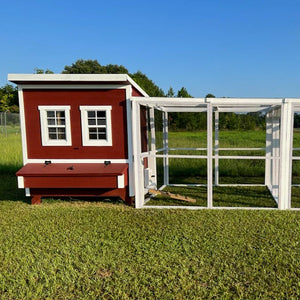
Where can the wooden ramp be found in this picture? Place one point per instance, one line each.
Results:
(173, 196)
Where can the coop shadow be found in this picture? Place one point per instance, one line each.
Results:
(9, 190)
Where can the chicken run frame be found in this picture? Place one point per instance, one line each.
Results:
(278, 150)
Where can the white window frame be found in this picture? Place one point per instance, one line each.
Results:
(86, 141)
(46, 141)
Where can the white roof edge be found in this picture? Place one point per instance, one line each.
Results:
(74, 77)
(133, 83)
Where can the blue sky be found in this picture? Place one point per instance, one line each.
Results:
(232, 48)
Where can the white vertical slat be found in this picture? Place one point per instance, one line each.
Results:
(216, 148)
(268, 150)
(166, 145)
(286, 149)
(22, 124)
(137, 163)
(152, 158)
(129, 141)
(209, 157)
(275, 154)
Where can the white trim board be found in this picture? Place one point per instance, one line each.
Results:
(84, 161)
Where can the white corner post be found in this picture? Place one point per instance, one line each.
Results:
(166, 147)
(137, 160)
(209, 156)
(268, 150)
(216, 148)
(152, 158)
(275, 153)
(130, 151)
(286, 152)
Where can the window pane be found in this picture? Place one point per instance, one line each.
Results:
(101, 122)
(52, 136)
(93, 136)
(101, 114)
(61, 136)
(102, 136)
(52, 130)
(50, 114)
(92, 130)
(91, 114)
(51, 121)
(92, 121)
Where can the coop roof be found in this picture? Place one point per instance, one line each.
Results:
(75, 78)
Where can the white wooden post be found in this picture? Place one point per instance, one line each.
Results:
(152, 158)
(268, 150)
(216, 147)
(286, 151)
(209, 157)
(130, 151)
(275, 153)
(166, 150)
(137, 160)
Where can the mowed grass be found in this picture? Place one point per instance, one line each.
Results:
(82, 250)
(95, 250)
(10, 151)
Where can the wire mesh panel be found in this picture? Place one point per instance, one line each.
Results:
(9, 123)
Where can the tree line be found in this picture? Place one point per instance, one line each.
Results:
(177, 121)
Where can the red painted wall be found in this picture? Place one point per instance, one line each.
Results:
(75, 98)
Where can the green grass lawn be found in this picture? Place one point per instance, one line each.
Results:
(83, 250)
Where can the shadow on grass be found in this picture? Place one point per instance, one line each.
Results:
(9, 190)
(113, 200)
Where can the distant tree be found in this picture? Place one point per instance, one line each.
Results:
(82, 66)
(8, 98)
(5, 102)
(170, 93)
(89, 66)
(147, 84)
(115, 69)
(210, 96)
(42, 71)
(183, 93)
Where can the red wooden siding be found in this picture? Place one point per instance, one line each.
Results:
(75, 98)
(136, 93)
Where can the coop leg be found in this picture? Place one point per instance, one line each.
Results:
(36, 199)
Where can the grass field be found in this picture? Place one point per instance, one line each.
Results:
(82, 250)
(96, 250)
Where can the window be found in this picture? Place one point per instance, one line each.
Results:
(55, 125)
(96, 125)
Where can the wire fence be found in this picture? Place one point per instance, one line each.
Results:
(9, 123)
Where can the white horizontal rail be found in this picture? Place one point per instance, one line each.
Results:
(191, 207)
(205, 156)
(187, 184)
(242, 149)
(222, 185)
(180, 156)
(196, 149)
(237, 184)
